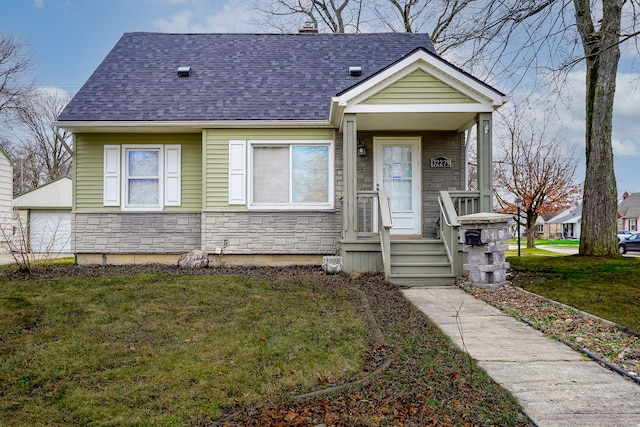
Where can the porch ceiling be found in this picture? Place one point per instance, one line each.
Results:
(415, 121)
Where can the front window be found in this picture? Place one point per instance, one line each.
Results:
(633, 224)
(142, 187)
(291, 175)
(142, 177)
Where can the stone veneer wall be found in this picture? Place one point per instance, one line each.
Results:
(271, 232)
(129, 232)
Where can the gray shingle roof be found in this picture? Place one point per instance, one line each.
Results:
(573, 216)
(233, 77)
(630, 206)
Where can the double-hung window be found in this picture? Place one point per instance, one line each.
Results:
(142, 181)
(289, 174)
(142, 177)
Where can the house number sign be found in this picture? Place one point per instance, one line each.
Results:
(441, 162)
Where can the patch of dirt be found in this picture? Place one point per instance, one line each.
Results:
(607, 341)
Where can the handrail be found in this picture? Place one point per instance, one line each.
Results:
(385, 222)
(443, 212)
(465, 203)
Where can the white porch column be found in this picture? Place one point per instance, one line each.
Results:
(485, 161)
(349, 188)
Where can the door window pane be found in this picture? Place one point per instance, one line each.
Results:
(397, 177)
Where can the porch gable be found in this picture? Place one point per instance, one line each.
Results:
(419, 87)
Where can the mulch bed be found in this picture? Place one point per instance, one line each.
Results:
(605, 340)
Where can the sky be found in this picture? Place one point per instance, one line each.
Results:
(69, 38)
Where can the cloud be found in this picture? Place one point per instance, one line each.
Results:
(569, 106)
(53, 91)
(233, 16)
(38, 4)
(179, 23)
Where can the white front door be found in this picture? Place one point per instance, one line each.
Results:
(397, 172)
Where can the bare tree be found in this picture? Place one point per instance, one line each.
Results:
(518, 39)
(42, 152)
(14, 63)
(533, 167)
(334, 16)
(602, 54)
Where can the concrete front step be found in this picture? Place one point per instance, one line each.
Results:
(417, 280)
(421, 268)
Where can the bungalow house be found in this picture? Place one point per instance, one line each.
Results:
(629, 212)
(278, 149)
(566, 224)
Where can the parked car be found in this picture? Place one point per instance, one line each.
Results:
(623, 234)
(631, 243)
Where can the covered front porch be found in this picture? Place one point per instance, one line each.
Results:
(405, 152)
(400, 209)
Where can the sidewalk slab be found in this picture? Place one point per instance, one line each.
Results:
(555, 385)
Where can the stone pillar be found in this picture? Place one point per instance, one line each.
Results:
(484, 238)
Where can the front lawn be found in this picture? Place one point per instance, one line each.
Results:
(105, 346)
(160, 349)
(606, 287)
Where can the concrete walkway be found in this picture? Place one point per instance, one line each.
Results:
(6, 259)
(555, 386)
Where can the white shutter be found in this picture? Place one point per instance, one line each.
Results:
(237, 172)
(111, 190)
(172, 184)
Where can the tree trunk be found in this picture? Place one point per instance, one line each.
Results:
(531, 229)
(600, 201)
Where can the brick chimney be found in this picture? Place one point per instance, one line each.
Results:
(308, 28)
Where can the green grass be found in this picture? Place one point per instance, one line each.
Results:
(540, 242)
(606, 287)
(166, 349)
(531, 252)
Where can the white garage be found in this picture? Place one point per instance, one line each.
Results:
(50, 231)
(45, 216)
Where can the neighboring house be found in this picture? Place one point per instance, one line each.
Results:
(566, 224)
(629, 212)
(6, 197)
(44, 221)
(272, 149)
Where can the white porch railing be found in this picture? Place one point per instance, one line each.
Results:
(374, 220)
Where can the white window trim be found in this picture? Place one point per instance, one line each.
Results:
(291, 206)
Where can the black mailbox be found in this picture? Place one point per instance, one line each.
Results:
(473, 237)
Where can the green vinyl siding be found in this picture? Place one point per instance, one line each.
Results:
(419, 87)
(89, 164)
(216, 153)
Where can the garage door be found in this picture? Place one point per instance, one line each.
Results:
(50, 231)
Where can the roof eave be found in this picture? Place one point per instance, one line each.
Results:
(115, 126)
